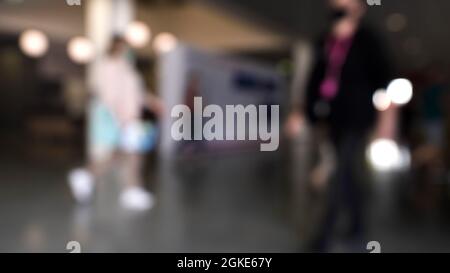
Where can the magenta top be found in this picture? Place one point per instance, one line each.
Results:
(336, 52)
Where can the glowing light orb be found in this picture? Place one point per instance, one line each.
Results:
(34, 43)
(400, 91)
(138, 34)
(165, 42)
(381, 100)
(81, 50)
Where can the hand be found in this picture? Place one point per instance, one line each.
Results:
(321, 173)
(156, 105)
(319, 177)
(294, 124)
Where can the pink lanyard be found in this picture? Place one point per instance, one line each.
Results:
(337, 52)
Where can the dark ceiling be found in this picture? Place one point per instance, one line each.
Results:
(428, 23)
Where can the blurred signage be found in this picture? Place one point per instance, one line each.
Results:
(221, 80)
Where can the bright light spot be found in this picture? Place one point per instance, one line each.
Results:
(33, 43)
(381, 100)
(81, 50)
(384, 154)
(138, 34)
(164, 42)
(400, 91)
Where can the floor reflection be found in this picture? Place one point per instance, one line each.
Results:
(241, 203)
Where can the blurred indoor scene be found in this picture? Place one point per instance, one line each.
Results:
(356, 96)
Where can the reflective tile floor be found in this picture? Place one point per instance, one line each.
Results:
(207, 205)
(240, 203)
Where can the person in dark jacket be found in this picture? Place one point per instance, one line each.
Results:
(350, 65)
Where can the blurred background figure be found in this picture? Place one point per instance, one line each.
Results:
(429, 155)
(435, 97)
(350, 65)
(116, 129)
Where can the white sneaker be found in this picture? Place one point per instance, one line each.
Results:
(137, 198)
(81, 183)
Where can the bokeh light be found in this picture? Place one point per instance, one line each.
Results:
(396, 22)
(81, 50)
(138, 34)
(400, 91)
(34, 43)
(165, 42)
(381, 100)
(384, 154)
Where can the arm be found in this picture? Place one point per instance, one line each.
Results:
(154, 104)
(303, 103)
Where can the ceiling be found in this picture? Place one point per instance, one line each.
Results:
(194, 22)
(53, 16)
(427, 23)
(249, 23)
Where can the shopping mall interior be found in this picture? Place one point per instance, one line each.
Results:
(221, 196)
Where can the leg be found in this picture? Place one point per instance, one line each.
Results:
(134, 196)
(333, 202)
(100, 164)
(132, 169)
(353, 198)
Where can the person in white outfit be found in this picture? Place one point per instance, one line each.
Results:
(116, 130)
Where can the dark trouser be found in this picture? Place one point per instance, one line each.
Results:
(345, 189)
